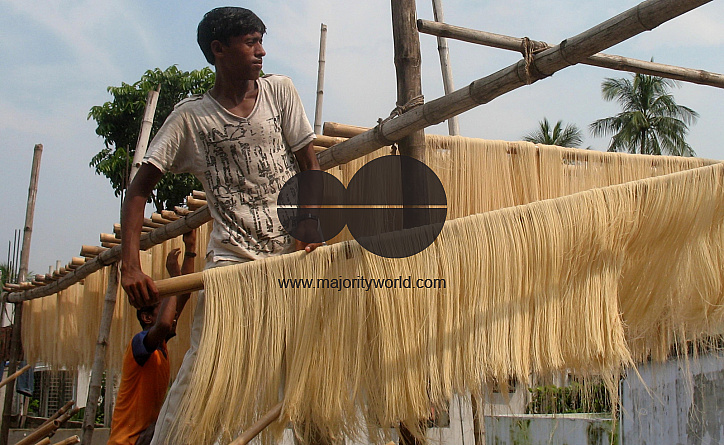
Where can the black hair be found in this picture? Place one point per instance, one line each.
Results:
(145, 310)
(224, 23)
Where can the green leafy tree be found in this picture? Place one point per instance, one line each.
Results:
(4, 274)
(568, 136)
(651, 121)
(119, 122)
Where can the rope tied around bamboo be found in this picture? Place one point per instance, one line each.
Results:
(397, 111)
(529, 48)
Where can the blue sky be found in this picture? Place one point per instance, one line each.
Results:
(59, 56)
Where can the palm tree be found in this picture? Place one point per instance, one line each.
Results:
(651, 121)
(570, 136)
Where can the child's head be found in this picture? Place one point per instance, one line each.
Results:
(147, 315)
(223, 23)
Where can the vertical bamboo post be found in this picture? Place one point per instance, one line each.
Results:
(15, 341)
(108, 401)
(447, 77)
(320, 80)
(94, 388)
(145, 133)
(409, 87)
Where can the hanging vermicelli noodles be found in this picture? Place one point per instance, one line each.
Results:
(72, 317)
(583, 281)
(586, 282)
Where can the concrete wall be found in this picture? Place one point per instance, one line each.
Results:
(545, 429)
(678, 402)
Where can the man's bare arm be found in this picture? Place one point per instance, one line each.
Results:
(140, 287)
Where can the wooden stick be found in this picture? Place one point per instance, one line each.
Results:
(148, 222)
(602, 60)
(157, 218)
(447, 77)
(69, 441)
(44, 430)
(169, 215)
(645, 16)
(15, 341)
(60, 412)
(109, 238)
(181, 284)
(259, 426)
(320, 79)
(194, 203)
(145, 133)
(45, 441)
(14, 375)
(94, 387)
(91, 251)
(198, 194)
(327, 141)
(341, 130)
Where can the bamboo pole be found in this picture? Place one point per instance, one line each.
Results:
(447, 77)
(259, 426)
(320, 79)
(47, 429)
(112, 255)
(14, 375)
(15, 340)
(69, 441)
(60, 412)
(643, 17)
(145, 133)
(108, 400)
(602, 60)
(334, 129)
(407, 67)
(45, 441)
(94, 388)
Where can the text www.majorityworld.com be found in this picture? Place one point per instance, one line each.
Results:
(362, 283)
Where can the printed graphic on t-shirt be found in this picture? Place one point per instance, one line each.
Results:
(246, 166)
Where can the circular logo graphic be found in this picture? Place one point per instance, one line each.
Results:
(394, 206)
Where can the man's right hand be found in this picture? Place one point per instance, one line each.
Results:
(140, 288)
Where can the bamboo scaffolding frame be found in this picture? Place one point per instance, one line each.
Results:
(610, 61)
(643, 17)
(109, 256)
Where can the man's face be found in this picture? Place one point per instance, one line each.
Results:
(243, 55)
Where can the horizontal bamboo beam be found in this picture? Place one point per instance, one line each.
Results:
(602, 60)
(198, 194)
(341, 130)
(110, 256)
(181, 284)
(640, 18)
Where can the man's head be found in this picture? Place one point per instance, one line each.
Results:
(224, 23)
(147, 315)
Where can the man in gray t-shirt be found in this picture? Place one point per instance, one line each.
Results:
(243, 139)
